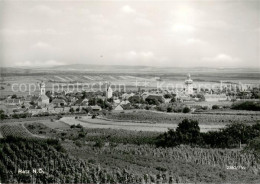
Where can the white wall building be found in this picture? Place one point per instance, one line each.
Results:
(188, 85)
(109, 92)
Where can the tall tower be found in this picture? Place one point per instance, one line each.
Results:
(188, 85)
(42, 88)
(109, 92)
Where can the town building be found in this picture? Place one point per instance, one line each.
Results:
(188, 85)
(109, 92)
(215, 97)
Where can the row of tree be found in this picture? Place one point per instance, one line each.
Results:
(188, 132)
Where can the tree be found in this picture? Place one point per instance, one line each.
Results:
(201, 97)
(110, 100)
(239, 132)
(248, 105)
(188, 131)
(173, 100)
(186, 110)
(2, 115)
(215, 107)
(136, 100)
(169, 109)
(71, 110)
(167, 96)
(14, 96)
(152, 101)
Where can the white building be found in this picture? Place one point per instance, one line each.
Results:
(43, 99)
(188, 85)
(215, 97)
(109, 93)
(42, 88)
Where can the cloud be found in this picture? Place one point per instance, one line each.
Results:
(183, 28)
(195, 41)
(43, 45)
(24, 32)
(45, 11)
(143, 22)
(128, 9)
(221, 59)
(39, 63)
(133, 55)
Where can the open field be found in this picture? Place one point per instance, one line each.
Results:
(175, 76)
(88, 122)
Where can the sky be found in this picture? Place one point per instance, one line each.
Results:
(178, 33)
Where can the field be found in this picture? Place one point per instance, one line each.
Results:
(121, 147)
(175, 118)
(128, 154)
(101, 123)
(18, 130)
(120, 77)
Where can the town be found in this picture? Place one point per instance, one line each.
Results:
(188, 99)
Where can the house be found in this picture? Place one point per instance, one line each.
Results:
(27, 100)
(58, 102)
(66, 109)
(118, 108)
(13, 101)
(96, 108)
(43, 100)
(124, 102)
(58, 110)
(34, 111)
(215, 97)
(8, 109)
(125, 96)
(117, 101)
(81, 102)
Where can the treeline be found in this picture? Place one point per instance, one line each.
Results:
(188, 132)
(248, 105)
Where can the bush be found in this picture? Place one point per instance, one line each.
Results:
(215, 107)
(186, 110)
(188, 132)
(251, 106)
(78, 143)
(169, 109)
(99, 143)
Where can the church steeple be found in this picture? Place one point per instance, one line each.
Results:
(42, 88)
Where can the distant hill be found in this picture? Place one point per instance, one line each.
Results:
(122, 69)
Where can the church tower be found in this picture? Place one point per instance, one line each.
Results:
(188, 85)
(109, 93)
(42, 88)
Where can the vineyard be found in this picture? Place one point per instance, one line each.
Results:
(190, 164)
(155, 117)
(111, 156)
(14, 130)
(44, 161)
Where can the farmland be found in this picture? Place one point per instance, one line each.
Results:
(63, 77)
(88, 122)
(175, 118)
(104, 153)
(15, 130)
